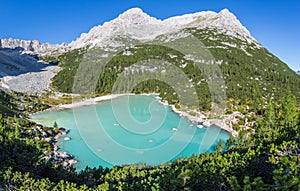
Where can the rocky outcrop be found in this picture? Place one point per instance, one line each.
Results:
(55, 156)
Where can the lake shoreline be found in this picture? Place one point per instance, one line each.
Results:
(200, 118)
(85, 102)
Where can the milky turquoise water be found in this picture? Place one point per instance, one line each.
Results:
(127, 130)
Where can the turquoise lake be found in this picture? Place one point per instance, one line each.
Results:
(128, 130)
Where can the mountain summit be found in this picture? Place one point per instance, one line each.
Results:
(134, 14)
(136, 24)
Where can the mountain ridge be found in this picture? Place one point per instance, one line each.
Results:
(31, 46)
(137, 24)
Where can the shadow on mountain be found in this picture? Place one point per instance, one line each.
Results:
(14, 62)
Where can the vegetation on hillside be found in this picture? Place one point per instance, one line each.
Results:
(265, 160)
(262, 76)
(266, 157)
(19, 104)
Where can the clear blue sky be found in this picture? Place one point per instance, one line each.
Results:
(274, 23)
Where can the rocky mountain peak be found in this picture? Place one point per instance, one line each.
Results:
(137, 25)
(136, 16)
(226, 13)
(134, 12)
(228, 19)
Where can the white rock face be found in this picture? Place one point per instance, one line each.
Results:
(32, 46)
(137, 25)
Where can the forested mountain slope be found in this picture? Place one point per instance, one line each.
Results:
(250, 72)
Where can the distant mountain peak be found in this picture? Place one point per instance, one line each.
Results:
(225, 12)
(227, 18)
(135, 16)
(134, 11)
(29, 46)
